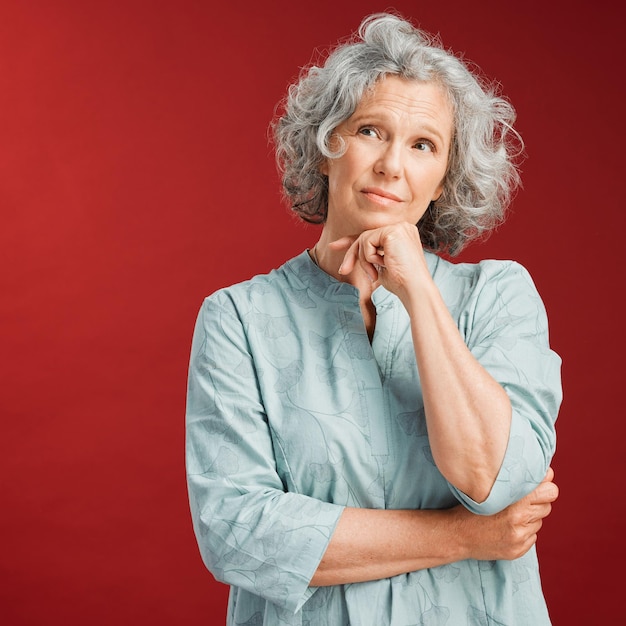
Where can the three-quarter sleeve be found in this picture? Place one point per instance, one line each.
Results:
(251, 532)
(509, 337)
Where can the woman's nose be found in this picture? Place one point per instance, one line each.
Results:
(389, 162)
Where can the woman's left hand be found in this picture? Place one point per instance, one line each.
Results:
(392, 256)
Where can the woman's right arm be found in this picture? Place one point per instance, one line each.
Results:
(371, 544)
(251, 532)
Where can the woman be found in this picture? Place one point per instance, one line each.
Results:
(370, 427)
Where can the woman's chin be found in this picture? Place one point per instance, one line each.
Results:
(365, 222)
(380, 221)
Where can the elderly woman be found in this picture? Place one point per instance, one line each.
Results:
(370, 427)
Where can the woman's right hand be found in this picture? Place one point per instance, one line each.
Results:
(512, 532)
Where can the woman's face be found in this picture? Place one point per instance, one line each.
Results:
(397, 145)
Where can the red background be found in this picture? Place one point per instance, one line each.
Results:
(136, 178)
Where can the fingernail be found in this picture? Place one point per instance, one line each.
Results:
(340, 270)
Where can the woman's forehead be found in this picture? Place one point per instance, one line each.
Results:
(394, 96)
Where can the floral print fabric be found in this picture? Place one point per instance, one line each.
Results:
(292, 415)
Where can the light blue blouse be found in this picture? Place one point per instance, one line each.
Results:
(292, 415)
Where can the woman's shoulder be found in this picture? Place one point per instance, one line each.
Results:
(488, 288)
(275, 283)
(489, 296)
(485, 274)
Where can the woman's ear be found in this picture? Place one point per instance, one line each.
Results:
(324, 167)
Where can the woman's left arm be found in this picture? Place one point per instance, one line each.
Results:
(468, 412)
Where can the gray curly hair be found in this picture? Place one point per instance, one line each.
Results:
(482, 172)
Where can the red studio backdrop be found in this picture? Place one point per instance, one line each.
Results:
(136, 177)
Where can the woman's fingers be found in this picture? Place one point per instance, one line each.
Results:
(359, 250)
(350, 257)
(546, 492)
(549, 477)
(392, 248)
(342, 244)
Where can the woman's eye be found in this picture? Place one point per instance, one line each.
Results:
(368, 132)
(425, 146)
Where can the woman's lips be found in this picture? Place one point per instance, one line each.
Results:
(380, 196)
